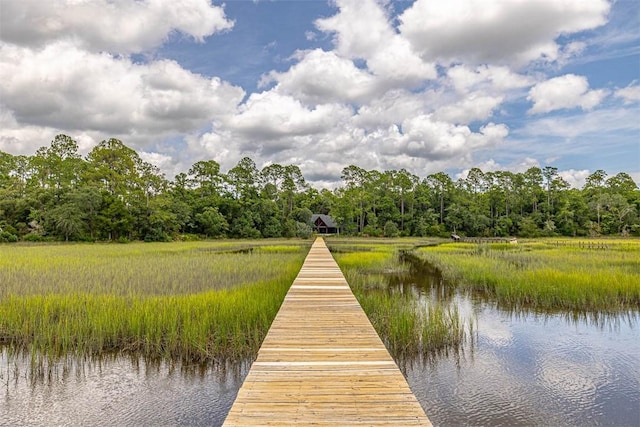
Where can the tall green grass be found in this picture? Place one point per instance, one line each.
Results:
(409, 326)
(546, 274)
(192, 302)
(138, 268)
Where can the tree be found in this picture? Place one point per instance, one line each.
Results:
(549, 173)
(619, 214)
(623, 184)
(7, 168)
(475, 181)
(293, 183)
(596, 180)
(114, 194)
(212, 222)
(391, 229)
(354, 178)
(243, 226)
(65, 162)
(242, 179)
(303, 230)
(205, 177)
(272, 177)
(113, 167)
(533, 186)
(114, 219)
(68, 219)
(404, 183)
(456, 216)
(442, 186)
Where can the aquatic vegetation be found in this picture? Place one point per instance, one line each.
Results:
(585, 275)
(181, 301)
(408, 325)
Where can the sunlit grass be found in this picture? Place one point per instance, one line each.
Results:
(179, 301)
(547, 274)
(134, 269)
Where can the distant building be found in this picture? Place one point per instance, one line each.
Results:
(324, 224)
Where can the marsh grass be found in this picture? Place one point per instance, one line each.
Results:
(176, 301)
(408, 325)
(138, 269)
(546, 274)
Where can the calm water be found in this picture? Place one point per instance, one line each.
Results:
(533, 370)
(528, 368)
(118, 393)
(523, 369)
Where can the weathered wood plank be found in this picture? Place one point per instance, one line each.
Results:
(322, 363)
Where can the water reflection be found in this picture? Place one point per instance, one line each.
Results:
(117, 391)
(420, 278)
(526, 367)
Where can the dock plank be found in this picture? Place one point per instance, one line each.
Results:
(322, 363)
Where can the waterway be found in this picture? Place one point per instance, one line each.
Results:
(117, 392)
(527, 368)
(521, 368)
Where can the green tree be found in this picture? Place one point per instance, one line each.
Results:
(354, 178)
(205, 177)
(242, 180)
(113, 167)
(212, 222)
(442, 188)
(549, 173)
(391, 229)
(68, 219)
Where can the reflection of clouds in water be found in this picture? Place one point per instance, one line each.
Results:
(495, 331)
(493, 391)
(116, 392)
(536, 369)
(574, 381)
(465, 308)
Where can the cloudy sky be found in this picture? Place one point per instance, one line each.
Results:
(425, 85)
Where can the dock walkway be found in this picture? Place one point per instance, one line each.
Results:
(322, 363)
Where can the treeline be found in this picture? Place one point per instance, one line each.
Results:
(112, 194)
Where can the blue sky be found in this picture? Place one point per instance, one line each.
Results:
(420, 84)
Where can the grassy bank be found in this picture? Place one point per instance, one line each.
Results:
(408, 325)
(196, 301)
(551, 274)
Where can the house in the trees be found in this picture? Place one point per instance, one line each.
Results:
(324, 224)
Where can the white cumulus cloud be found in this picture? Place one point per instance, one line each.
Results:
(372, 97)
(426, 137)
(512, 32)
(470, 109)
(362, 30)
(123, 26)
(66, 88)
(490, 78)
(270, 115)
(321, 77)
(630, 93)
(564, 92)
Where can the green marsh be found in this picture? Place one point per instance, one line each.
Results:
(198, 302)
(546, 274)
(408, 325)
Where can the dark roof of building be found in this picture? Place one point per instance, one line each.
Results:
(328, 221)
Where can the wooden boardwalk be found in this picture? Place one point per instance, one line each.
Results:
(322, 363)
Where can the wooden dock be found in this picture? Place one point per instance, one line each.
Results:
(322, 363)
